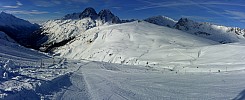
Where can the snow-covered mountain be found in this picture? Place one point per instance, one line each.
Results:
(133, 60)
(63, 30)
(162, 21)
(136, 43)
(213, 32)
(146, 44)
(18, 29)
(108, 17)
(88, 12)
(31, 75)
(87, 35)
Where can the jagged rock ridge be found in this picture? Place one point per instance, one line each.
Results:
(105, 15)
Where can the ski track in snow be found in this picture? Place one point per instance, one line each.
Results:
(91, 80)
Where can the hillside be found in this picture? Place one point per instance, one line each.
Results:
(18, 29)
(97, 56)
(33, 75)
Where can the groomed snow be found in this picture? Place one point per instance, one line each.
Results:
(131, 61)
(64, 79)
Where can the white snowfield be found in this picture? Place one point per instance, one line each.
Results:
(131, 61)
(142, 43)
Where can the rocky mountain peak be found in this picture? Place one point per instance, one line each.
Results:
(107, 16)
(182, 21)
(89, 12)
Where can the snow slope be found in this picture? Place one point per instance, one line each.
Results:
(142, 43)
(23, 70)
(60, 30)
(213, 32)
(134, 43)
(171, 72)
(129, 61)
(90, 80)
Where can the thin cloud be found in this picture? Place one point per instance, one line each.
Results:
(18, 4)
(11, 6)
(52, 3)
(203, 5)
(236, 15)
(35, 12)
(38, 21)
(243, 21)
(43, 3)
(82, 1)
(150, 5)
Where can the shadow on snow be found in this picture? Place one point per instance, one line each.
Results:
(45, 89)
(240, 96)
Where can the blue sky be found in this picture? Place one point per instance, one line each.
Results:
(222, 12)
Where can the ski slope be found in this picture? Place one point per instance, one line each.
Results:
(142, 43)
(66, 79)
(131, 61)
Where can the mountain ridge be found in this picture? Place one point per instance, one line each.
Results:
(60, 31)
(105, 15)
(63, 30)
(18, 29)
(161, 20)
(219, 33)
